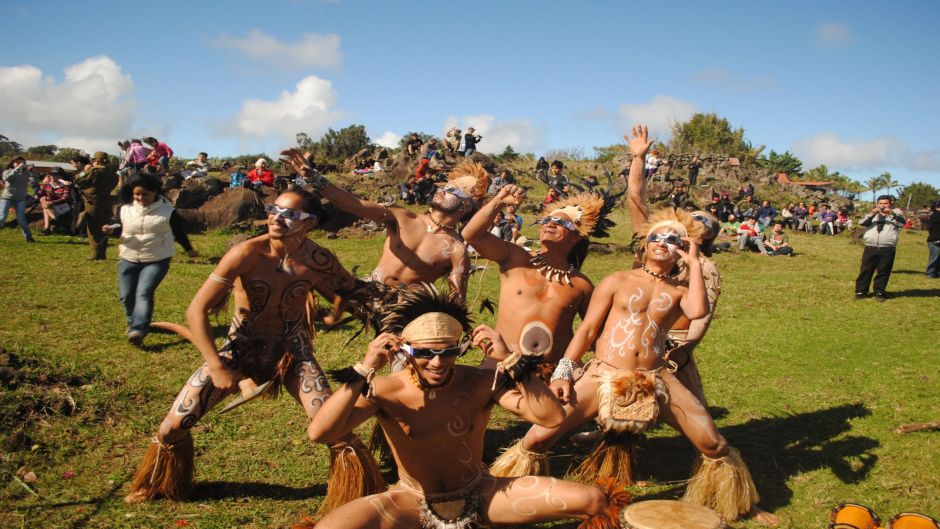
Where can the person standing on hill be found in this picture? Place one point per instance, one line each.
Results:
(97, 179)
(470, 140)
(933, 242)
(881, 242)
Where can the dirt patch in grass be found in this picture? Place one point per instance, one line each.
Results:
(35, 390)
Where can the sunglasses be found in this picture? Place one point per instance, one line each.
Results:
(448, 352)
(565, 223)
(855, 516)
(287, 213)
(703, 219)
(457, 192)
(668, 238)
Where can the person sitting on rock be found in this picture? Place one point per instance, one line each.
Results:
(198, 168)
(260, 176)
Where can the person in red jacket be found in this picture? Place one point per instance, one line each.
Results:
(161, 151)
(260, 175)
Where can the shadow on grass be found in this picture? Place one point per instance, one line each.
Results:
(222, 490)
(915, 293)
(775, 449)
(88, 515)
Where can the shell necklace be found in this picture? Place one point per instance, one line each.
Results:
(551, 273)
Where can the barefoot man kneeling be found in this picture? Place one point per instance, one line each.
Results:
(434, 415)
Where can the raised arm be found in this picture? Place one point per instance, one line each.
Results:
(695, 303)
(343, 199)
(459, 271)
(477, 231)
(348, 407)
(637, 195)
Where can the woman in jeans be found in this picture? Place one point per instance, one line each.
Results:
(16, 176)
(149, 226)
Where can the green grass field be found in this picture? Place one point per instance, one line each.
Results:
(807, 382)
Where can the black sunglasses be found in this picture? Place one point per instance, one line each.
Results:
(447, 352)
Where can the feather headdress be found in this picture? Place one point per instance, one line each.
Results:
(679, 220)
(418, 300)
(589, 211)
(471, 178)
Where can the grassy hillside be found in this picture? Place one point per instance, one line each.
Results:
(808, 383)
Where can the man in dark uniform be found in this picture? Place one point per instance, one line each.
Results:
(96, 179)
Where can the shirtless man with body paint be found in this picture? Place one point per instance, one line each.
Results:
(685, 334)
(435, 415)
(541, 293)
(270, 278)
(419, 247)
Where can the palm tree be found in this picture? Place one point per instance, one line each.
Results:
(887, 181)
(873, 184)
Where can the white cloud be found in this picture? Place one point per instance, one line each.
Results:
(313, 50)
(310, 108)
(730, 82)
(388, 139)
(874, 153)
(659, 114)
(90, 109)
(833, 34)
(521, 133)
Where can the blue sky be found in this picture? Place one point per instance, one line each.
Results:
(850, 84)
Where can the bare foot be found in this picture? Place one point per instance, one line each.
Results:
(763, 517)
(137, 496)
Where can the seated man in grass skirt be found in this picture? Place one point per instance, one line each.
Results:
(628, 385)
(272, 278)
(435, 415)
(540, 293)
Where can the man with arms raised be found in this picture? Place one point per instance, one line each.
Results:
(435, 415)
(540, 294)
(272, 278)
(419, 247)
(628, 384)
(684, 335)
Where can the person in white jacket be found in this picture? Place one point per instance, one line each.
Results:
(149, 226)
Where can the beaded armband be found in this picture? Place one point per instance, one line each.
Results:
(564, 370)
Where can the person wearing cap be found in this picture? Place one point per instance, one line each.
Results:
(260, 176)
(933, 241)
(434, 415)
(419, 247)
(96, 179)
(272, 280)
(470, 140)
